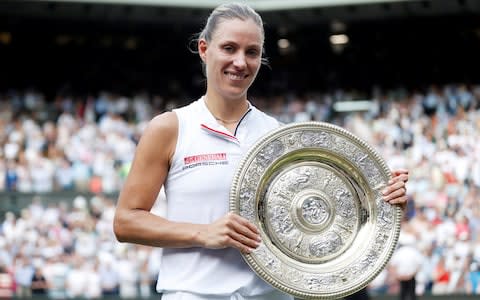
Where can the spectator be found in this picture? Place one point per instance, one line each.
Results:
(109, 278)
(93, 285)
(6, 283)
(56, 270)
(441, 277)
(11, 176)
(23, 276)
(76, 278)
(406, 263)
(474, 279)
(39, 286)
(64, 174)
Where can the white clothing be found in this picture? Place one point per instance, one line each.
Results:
(274, 295)
(197, 191)
(76, 282)
(407, 261)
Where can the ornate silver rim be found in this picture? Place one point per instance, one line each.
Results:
(303, 266)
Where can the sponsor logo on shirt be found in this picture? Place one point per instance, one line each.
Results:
(210, 159)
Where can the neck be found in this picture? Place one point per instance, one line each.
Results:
(226, 111)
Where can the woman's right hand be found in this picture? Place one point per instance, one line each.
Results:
(230, 230)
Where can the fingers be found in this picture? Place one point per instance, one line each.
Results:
(399, 200)
(243, 243)
(241, 247)
(399, 178)
(234, 231)
(400, 174)
(243, 232)
(399, 171)
(396, 191)
(249, 227)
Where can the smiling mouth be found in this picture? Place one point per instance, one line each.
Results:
(233, 76)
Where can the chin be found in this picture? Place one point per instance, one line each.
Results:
(235, 94)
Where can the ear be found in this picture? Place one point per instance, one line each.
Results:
(202, 49)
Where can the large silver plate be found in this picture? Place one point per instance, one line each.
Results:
(314, 191)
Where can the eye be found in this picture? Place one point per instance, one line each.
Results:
(228, 48)
(253, 52)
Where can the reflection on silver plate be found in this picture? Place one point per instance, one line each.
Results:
(314, 191)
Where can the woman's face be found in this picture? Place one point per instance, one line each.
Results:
(232, 57)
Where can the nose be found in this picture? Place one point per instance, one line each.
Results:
(239, 60)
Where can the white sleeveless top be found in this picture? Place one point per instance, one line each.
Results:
(197, 190)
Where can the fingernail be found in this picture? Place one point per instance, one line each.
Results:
(390, 181)
(384, 192)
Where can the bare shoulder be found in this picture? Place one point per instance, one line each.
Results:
(161, 134)
(165, 123)
(149, 167)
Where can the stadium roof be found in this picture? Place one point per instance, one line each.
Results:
(263, 5)
(274, 12)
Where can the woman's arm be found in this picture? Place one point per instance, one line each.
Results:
(133, 221)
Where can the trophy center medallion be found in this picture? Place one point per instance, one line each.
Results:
(314, 210)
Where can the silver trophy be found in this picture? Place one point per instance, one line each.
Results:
(314, 191)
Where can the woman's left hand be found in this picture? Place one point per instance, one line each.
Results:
(396, 191)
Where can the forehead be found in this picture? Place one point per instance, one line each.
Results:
(238, 30)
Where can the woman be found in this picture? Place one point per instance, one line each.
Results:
(194, 152)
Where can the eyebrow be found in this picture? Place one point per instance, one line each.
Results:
(258, 46)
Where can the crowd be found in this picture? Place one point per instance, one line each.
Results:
(68, 249)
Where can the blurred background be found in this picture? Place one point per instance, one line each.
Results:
(80, 79)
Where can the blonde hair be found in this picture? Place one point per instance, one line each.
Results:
(228, 11)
